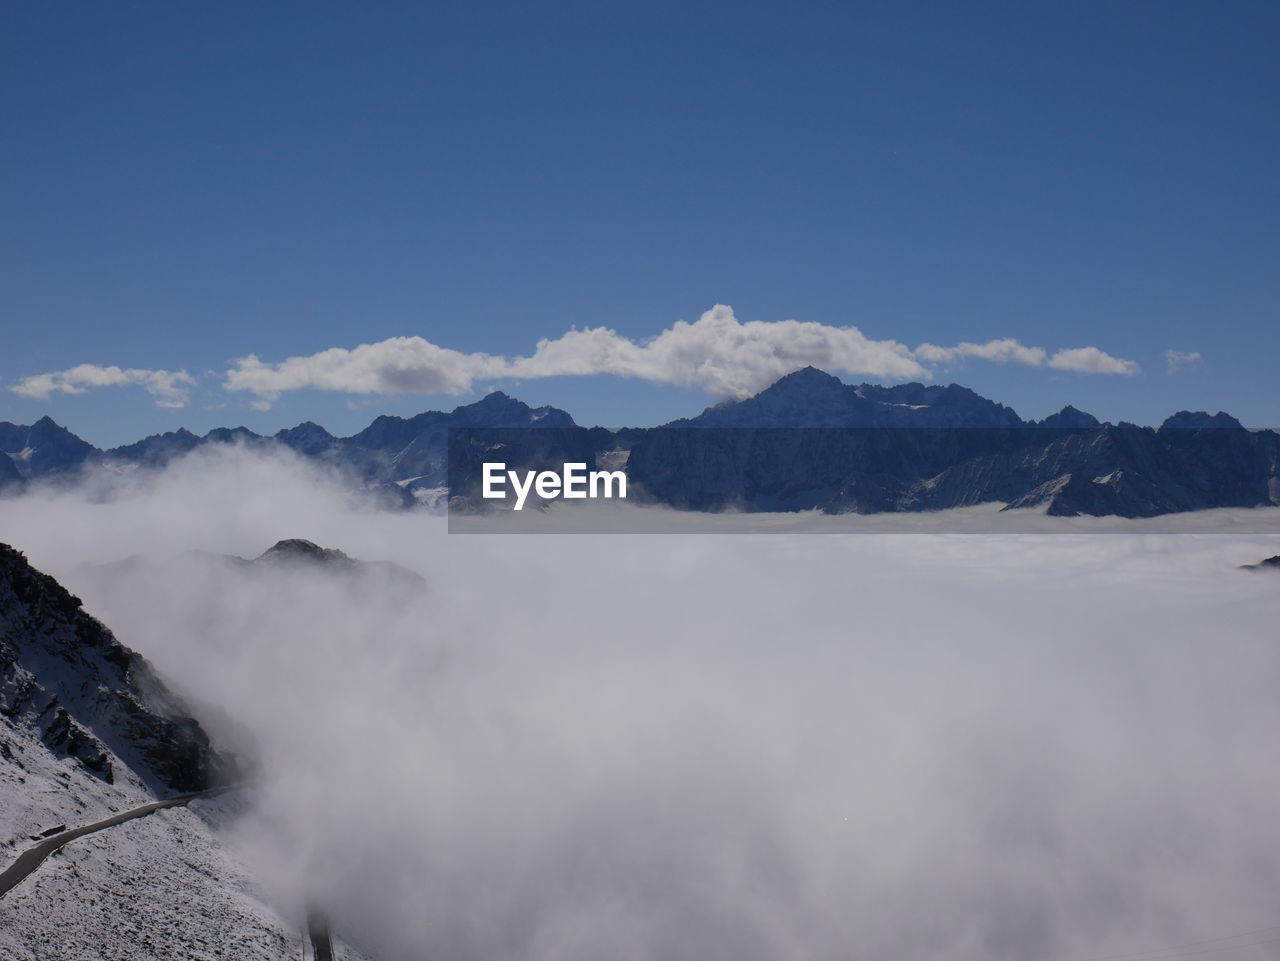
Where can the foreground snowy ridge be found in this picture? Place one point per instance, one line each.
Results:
(89, 734)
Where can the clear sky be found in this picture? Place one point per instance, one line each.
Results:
(187, 185)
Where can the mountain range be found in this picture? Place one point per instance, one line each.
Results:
(808, 441)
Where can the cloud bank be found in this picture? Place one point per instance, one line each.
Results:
(708, 748)
(717, 353)
(1005, 351)
(1082, 360)
(168, 387)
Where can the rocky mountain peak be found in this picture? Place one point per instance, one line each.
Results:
(804, 398)
(46, 447)
(501, 410)
(307, 438)
(227, 435)
(296, 550)
(298, 554)
(808, 379)
(1071, 417)
(1199, 420)
(494, 400)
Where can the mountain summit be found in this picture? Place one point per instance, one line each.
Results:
(813, 398)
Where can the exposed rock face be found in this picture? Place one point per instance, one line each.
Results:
(10, 476)
(1270, 564)
(813, 398)
(915, 405)
(45, 448)
(1071, 419)
(1198, 420)
(90, 698)
(806, 398)
(298, 551)
(307, 438)
(158, 449)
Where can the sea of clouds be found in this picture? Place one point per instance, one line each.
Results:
(758, 747)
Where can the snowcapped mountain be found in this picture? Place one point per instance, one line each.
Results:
(809, 441)
(928, 447)
(44, 448)
(89, 733)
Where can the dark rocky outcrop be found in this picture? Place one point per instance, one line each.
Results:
(308, 438)
(1071, 419)
(1269, 564)
(299, 554)
(10, 476)
(1199, 420)
(813, 398)
(156, 450)
(298, 551)
(45, 449)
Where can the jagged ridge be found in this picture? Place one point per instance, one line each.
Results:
(962, 449)
(90, 698)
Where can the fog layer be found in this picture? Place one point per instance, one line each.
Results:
(715, 747)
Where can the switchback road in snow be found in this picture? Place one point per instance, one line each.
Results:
(35, 855)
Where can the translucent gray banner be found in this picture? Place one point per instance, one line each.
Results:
(864, 480)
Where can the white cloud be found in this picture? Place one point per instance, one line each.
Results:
(717, 353)
(399, 365)
(1084, 360)
(1004, 351)
(1091, 360)
(720, 354)
(168, 387)
(1176, 360)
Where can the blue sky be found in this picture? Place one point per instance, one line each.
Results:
(185, 186)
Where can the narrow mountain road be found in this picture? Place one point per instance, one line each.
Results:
(35, 855)
(318, 933)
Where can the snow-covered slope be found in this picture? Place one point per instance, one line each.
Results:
(87, 730)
